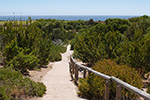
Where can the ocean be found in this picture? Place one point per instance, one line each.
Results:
(95, 18)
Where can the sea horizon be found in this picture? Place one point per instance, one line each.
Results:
(65, 17)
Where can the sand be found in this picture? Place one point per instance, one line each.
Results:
(58, 81)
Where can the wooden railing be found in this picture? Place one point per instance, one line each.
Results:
(74, 69)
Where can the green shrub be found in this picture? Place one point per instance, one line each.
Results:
(11, 50)
(70, 35)
(94, 86)
(55, 56)
(92, 46)
(73, 41)
(3, 94)
(55, 52)
(60, 48)
(148, 88)
(33, 88)
(14, 86)
(22, 62)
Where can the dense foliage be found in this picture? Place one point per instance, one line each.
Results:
(14, 87)
(34, 44)
(121, 40)
(26, 46)
(125, 41)
(93, 87)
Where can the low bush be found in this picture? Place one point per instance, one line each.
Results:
(13, 86)
(60, 48)
(55, 52)
(148, 88)
(94, 86)
(22, 62)
(55, 56)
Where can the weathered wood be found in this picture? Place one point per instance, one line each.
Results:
(118, 92)
(131, 88)
(73, 68)
(91, 70)
(73, 59)
(84, 73)
(76, 72)
(107, 90)
(70, 67)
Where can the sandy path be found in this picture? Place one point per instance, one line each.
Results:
(58, 81)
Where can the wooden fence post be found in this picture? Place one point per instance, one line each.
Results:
(70, 65)
(89, 72)
(76, 72)
(73, 67)
(107, 89)
(84, 73)
(118, 92)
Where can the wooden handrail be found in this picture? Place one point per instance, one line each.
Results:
(131, 88)
(74, 65)
(91, 70)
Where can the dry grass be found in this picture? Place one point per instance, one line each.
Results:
(23, 22)
(2, 22)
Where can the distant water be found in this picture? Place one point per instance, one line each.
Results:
(95, 18)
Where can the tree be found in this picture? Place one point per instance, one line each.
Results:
(11, 50)
(92, 46)
(30, 19)
(44, 50)
(90, 22)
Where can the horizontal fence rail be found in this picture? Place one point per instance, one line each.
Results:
(91, 70)
(131, 88)
(74, 70)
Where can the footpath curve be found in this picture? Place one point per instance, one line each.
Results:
(58, 81)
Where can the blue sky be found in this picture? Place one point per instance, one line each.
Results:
(75, 7)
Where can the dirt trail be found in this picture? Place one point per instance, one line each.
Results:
(58, 81)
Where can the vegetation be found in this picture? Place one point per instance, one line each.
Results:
(121, 40)
(14, 87)
(93, 87)
(148, 88)
(27, 45)
(3, 22)
(125, 41)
